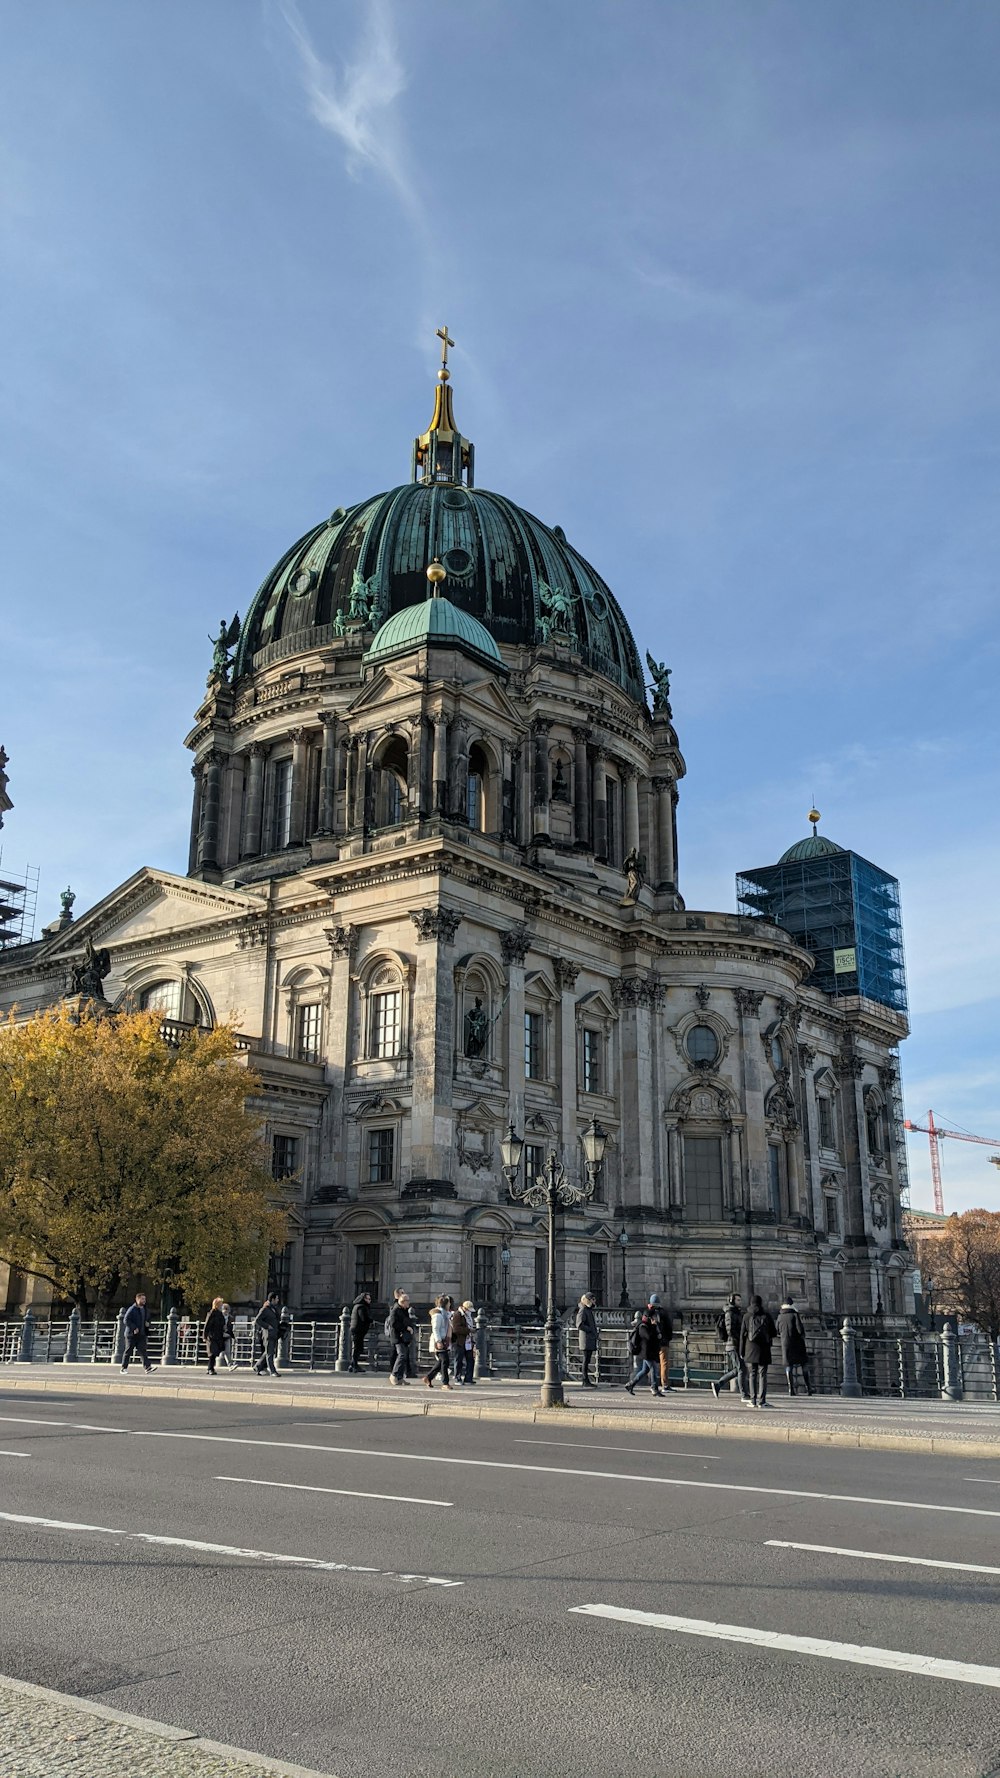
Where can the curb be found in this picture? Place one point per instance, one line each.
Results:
(162, 1731)
(672, 1422)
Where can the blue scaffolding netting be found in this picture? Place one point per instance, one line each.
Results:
(845, 911)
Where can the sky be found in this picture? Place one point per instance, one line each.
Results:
(722, 277)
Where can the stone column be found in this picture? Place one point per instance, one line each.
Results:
(432, 1123)
(231, 815)
(566, 974)
(748, 1005)
(635, 999)
(195, 820)
(810, 1136)
(342, 1043)
(361, 782)
(542, 787)
(581, 788)
(414, 772)
(253, 805)
(327, 773)
(459, 769)
(440, 765)
(630, 776)
(665, 868)
(674, 1162)
(300, 774)
(514, 947)
(599, 804)
(208, 838)
(857, 1228)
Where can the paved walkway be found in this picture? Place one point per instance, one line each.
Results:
(45, 1734)
(869, 1423)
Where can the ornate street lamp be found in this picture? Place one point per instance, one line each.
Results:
(505, 1267)
(552, 1190)
(623, 1302)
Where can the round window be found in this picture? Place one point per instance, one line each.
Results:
(701, 1044)
(777, 1053)
(458, 562)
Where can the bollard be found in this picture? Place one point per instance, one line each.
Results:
(26, 1339)
(170, 1343)
(285, 1342)
(73, 1338)
(481, 1343)
(344, 1348)
(952, 1390)
(118, 1349)
(850, 1384)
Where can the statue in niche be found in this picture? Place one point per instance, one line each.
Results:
(634, 872)
(560, 788)
(222, 647)
(477, 1026)
(660, 673)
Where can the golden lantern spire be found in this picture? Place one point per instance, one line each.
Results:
(441, 454)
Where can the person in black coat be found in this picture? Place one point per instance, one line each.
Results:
(215, 1334)
(645, 1343)
(266, 1328)
(728, 1329)
(756, 1334)
(794, 1352)
(136, 1324)
(361, 1320)
(665, 1330)
(587, 1337)
(401, 1328)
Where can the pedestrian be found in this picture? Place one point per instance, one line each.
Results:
(587, 1337)
(229, 1342)
(645, 1344)
(666, 1332)
(413, 1347)
(458, 1329)
(136, 1332)
(728, 1327)
(265, 1328)
(756, 1334)
(440, 1342)
(469, 1311)
(399, 1327)
(361, 1320)
(215, 1334)
(794, 1352)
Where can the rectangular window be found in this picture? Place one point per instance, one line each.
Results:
(386, 1023)
(703, 1178)
(279, 1272)
(832, 1216)
(599, 1278)
(541, 1277)
(285, 1156)
(774, 1179)
(308, 1029)
(592, 1077)
(534, 1160)
(484, 1275)
(892, 1287)
(366, 1269)
(826, 1132)
(838, 1292)
(281, 803)
(381, 1151)
(534, 1045)
(611, 792)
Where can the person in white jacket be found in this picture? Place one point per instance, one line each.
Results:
(440, 1342)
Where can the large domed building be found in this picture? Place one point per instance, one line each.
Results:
(434, 880)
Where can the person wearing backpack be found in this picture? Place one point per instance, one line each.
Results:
(645, 1344)
(440, 1341)
(756, 1334)
(399, 1329)
(794, 1353)
(728, 1329)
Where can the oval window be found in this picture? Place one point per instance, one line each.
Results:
(701, 1044)
(458, 562)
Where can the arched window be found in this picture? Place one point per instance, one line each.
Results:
(390, 783)
(165, 998)
(475, 797)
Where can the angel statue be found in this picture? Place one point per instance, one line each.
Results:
(634, 869)
(661, 683)
(558, 604)
(364, 597)
(222, 644)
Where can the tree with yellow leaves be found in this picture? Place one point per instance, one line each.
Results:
(965, 1261)
(123, 1156)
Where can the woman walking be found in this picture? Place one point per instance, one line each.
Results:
(587, 1336)
(645, 1344)
(794, 1352)
(215, 1334)
(229, 1340)
(756, 1334)
(440, 1341)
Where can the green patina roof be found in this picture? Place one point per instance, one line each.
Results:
(815, 845)
(433, 621)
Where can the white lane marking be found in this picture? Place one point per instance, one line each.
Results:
(227, 1549)
(596, 1475)
(895, 1660)
(991, 1481)
(635, 1450)
(15, 1453)
(355, 1493)
(74, 1425)
(832, 1549)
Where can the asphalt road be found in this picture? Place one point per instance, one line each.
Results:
(506, 1601)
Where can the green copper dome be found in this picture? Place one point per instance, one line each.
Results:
(435, 621)
(815, 845)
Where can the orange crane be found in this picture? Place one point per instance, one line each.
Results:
(934, 1134)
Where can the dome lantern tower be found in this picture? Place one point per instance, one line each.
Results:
(441, 454)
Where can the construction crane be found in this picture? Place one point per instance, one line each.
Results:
(934, 1135)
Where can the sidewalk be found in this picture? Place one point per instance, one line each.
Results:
(967, 1429)
(45, 1734)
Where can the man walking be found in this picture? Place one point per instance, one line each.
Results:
(400, 1331)
(361, 1320)
(794, 1352)
(136, 1331)
(756, 1334)
(728, 1329)
(665, 1329)
(265, 1327)
(645, 1343)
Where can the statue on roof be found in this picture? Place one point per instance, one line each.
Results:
(66, 901)
(660, 674)
(222, 647)
(364, 597)
(87, 978)
(559, 605)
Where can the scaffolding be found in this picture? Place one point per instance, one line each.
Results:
(845, 911)
(18, 902)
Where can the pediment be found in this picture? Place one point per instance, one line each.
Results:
(388, 683)
(152, 904)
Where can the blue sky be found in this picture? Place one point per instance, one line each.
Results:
(723, 279)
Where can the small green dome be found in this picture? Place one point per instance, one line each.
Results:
(436, 621)
(815, 845)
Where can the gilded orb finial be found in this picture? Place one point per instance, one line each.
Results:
(814, 816)
(436, 573)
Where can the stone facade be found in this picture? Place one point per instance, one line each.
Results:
(407, 889)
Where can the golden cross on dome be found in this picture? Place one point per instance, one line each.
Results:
(446, 341)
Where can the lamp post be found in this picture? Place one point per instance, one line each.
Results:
(553, 1190)
(505, 1268)
(623, 1302)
